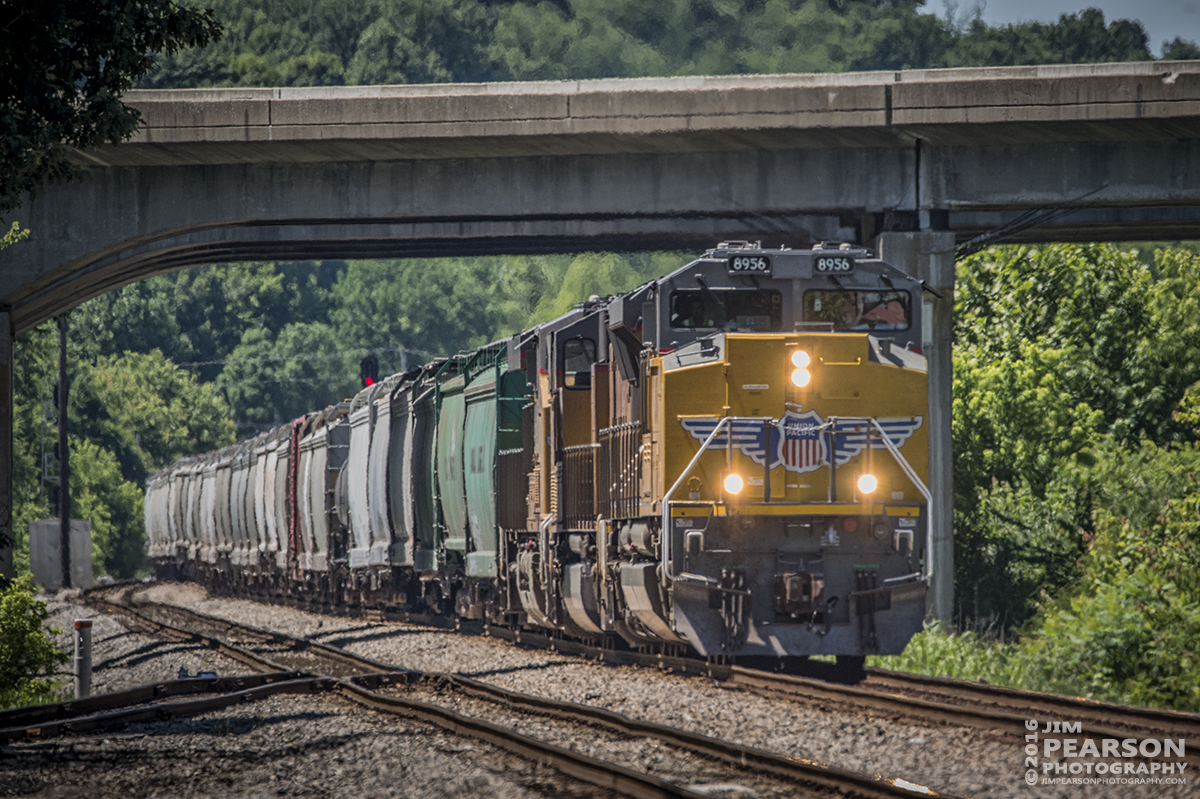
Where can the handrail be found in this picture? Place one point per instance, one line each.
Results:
(665, 530)
(912, 475)
(833, 423)
(906, 467)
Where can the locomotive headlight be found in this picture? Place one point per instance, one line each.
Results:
(867, 483)
(733, 484)
(800, 378)
(800, 359)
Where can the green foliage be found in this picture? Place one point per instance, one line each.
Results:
(1063, 355)
(14, 234)
(1076, 419)
(29, 660)
(1092, 303)
(34, 369)
(129, 415)
(1080, 38)
(269, 380)
(964, 656)
(289, 43)
(1128, 631)
(63, 68)
(1023, 548)
(600, 274)
(197, 317)
(278, 340)
(1015, 418)
(114, 506)
(146, 411)
(1180, 49)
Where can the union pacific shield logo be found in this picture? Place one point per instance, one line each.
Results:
(800, 441)
(803, 448)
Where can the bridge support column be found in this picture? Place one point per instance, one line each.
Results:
(6, 445)
(929, 256)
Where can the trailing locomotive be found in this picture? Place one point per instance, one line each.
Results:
(728, 460)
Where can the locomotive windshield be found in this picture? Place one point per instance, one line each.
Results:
(757, 310)
(859, 310)
(578, 356)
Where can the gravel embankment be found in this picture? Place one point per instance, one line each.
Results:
(123, 658)
(945, 758)
(282, 746)
(315, 745)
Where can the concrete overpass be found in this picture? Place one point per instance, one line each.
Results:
(921, 159)
(236, 174)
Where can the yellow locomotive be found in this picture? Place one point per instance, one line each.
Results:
(760, 480)
(729, 460)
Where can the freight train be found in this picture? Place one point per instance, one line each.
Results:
(728, 461)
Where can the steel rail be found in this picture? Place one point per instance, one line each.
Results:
(141, 695)
(796, 769)
(157, 712)
(1107, 719)
(1010, 720)
(986, 709)
(593, 771)
(233, 651)
(801, 771)
(1131, 717)
(340, 656)
(992, 708)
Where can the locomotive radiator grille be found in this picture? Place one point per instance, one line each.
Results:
(513, 483)
(617, 494)
(577, 491)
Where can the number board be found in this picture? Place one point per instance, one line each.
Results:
(827, 264)
(750, 265)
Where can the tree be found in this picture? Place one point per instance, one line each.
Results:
(330, 42)
(1180, 49)
(146, 411)
(29, 660)
(64, 65)
(1080, 38)
(270, 379)
(130, 414)
(197, 316)
(1067, 359)
(114, 506)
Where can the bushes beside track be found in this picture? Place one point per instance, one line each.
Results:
(1077, 476)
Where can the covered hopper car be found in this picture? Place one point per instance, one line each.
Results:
(727, 461)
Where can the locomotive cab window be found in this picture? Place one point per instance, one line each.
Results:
(755, 310)
(859, 310)
(578, 356)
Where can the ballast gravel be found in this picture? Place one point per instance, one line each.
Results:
(301, 746)
(947, 759)
(123, 658)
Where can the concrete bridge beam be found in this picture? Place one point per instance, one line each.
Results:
(929, 255)
(6, 445)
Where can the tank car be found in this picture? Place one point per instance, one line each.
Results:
(729, 461)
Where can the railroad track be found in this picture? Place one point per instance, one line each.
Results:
(1001, 710)
(679, 759)
(938, 700)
